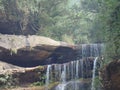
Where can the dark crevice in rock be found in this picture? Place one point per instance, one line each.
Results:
(62, 55)
(41, 56)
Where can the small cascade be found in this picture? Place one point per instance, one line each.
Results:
(93, 75)
(84, 54)
(63, 75)
(63, 78)
(48, 76)
(67, 74)
(60, 87)
(77, 69)
(71, 75)
(81, 68)
(72, 71)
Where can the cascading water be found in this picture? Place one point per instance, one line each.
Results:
(63, 75)
(71, 71)
(69, 74)
(93, 75)
(63, 79)
(48, 76)
(77, 69)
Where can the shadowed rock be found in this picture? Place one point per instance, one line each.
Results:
(111, 76)
(33, 50)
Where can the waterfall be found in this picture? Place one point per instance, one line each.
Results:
(63, 75)
(77, 69)
(71, 75)
(48, 76)
(70, 70)
(93, 75)
(84, 54)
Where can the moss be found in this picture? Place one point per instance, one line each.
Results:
(97, 82)
(6, 80)
(13, 51)
(41, 84)
(41, 67)
(52, 85)
(38, 83)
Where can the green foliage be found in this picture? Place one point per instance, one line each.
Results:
(5, 80)
(38, 83)
(97, 83)
(54, 18)
(42, 78)
(106, 27)
(112, 31)
(68, 39)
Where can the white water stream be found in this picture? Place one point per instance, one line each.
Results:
(48, 76)
(93, 74)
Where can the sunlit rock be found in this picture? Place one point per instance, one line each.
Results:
(32, 50)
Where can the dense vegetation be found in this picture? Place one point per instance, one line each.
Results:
(73, 21)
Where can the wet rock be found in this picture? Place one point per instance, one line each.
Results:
(22, 76)
(111, 76)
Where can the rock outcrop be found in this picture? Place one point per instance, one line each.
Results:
(33, 50)
(111, 76)
(11, 75)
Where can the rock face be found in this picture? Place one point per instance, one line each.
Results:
(111, 76)
(33, 50)
(22, 76)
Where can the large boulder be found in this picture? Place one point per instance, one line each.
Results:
(33, 50)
